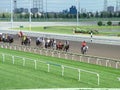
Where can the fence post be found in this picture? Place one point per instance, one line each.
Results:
(80, 58)
(52, 54)
(35, 64)
(13, 59)
(98, 79)
(62, 70)
(48, 67)
(117, 65)
(3, 55)
(66, 56)
(59, 54)
(41, 52)
(46, 52)
(78, 74)
(107, 62)
(89, 60)
(24, 49)
(72, 57)
(23, 61)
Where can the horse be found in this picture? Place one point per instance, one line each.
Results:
(6, 38)
(59, 46)
(84, 49)
(49, 43)
(66, 47)
(26, 40)
(39, 41)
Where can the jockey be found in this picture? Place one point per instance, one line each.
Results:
(20, 34)
(83, 44)
(66, 42)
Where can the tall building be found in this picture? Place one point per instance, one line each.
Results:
(38, 4)
(15, 4)
(73, 10)
(105, 5)
(110, 9)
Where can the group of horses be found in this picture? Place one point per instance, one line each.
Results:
(6, 38)
(42, 42)
(51, 43)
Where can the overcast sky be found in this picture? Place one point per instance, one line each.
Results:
(59, 5)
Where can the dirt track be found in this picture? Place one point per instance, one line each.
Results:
(102, 50)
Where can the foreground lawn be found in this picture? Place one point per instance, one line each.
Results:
(26, 77)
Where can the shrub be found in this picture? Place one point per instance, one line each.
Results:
(118, 35)
(118, 23)
(109, 23)
(100, 23)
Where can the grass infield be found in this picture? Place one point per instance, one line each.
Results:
(26, 77)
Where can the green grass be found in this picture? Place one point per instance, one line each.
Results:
(25, 77)
(103, 30)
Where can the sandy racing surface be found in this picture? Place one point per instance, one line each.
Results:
(102, 50)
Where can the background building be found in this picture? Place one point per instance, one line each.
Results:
(110, 9)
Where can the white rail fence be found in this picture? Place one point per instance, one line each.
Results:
(108, 62)
(63, 67)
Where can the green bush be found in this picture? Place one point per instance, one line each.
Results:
(100, 23)
(118, 23)
(109, 23)
(118, 35)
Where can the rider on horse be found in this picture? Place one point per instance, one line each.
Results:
(84, 47)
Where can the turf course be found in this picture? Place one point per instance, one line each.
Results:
(103, 30)
(26, 77)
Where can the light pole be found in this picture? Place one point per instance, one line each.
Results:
(77, 12)
(11, 13)
(30, 15)
(46, 10)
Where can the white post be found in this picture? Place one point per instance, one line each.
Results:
(80, 58)
(77, 10)
(11, 13)
(48, 67)
(97, 62)
(23, 61)
(72, 57)
(40, 51)
(59, 54)
(35, 64)
(65, 56)
(3, 55)
(117, 65)
(30, 15)
(62, 70)
(98, 79)
(46, 52)
(13, 59)
(107, 62)
(52, 54)
(89, 60)
(78, 74)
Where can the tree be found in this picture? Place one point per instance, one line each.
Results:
(3, 15)
(100, 23)
(109, 23)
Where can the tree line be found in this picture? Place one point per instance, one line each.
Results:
(63, 15)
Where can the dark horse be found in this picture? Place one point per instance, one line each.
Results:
(8, 39)
(84, 49)
(66, 47)
(49, 43)
(26, 40)
(38, 42)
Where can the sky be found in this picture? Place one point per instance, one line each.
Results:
(59, 5)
